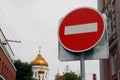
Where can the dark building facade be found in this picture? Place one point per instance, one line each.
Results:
(110, 68)
(7, 69)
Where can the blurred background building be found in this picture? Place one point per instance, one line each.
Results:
(58, 76)
(110, 68)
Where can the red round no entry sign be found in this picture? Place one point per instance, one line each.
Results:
(81, 29)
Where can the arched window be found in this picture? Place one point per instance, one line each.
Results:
(113, 64)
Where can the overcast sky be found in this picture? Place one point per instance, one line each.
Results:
(35, 23)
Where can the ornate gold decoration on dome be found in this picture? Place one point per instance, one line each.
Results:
(39, 60)
(41, 70)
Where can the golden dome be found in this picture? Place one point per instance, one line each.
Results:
(39, 60)
(41, 70)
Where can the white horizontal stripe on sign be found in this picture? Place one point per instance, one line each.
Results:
(81, 28)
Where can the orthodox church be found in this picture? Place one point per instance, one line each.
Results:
(40, 68)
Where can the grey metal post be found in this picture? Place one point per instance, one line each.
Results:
(82, 64)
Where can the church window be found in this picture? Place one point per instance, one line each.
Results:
(35, 74)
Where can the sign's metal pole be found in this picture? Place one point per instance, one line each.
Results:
(82, 64)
